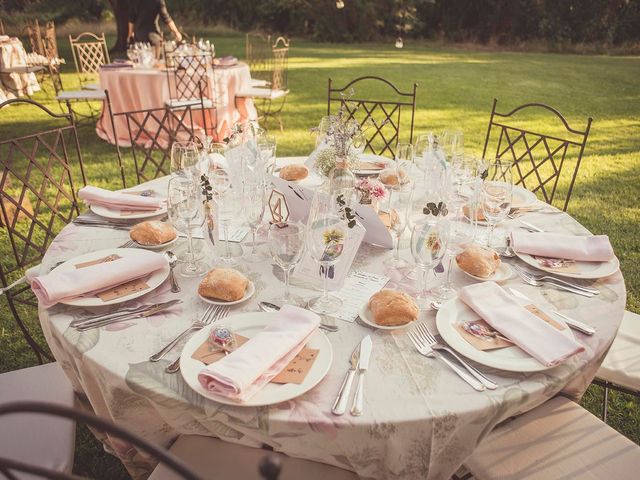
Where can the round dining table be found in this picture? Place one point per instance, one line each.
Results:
(420, 421)
(15, 78)
(141, 88)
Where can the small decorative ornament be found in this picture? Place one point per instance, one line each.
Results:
(222, 336)
(278, 207)
(432, 209)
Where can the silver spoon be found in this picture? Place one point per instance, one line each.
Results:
(173, 260)
(271, 307)
(508, 250)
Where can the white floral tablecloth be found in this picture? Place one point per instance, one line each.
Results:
(420, 420)
(14, 84)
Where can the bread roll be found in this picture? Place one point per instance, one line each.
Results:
(152, 232)
(392, 308)
(223, 284)
(478, 261)
(294, 172)
(392, 177)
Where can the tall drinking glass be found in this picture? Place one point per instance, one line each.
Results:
(286, 242)
(184, 159)
(397, 208)
(496, 195)
(428, 245)
(254, 206)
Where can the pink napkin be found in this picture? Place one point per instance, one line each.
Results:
(226, 61)
(118, 200)
(594, 248)
(57, 286)
(535, 336)
(246, 370)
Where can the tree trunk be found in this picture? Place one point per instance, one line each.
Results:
(121, 11)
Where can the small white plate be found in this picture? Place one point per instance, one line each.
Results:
(313, 180)
(522, 197)
(586, 270)
(154, 281)
(156, 247)
(368, 157)
(251, 289)
(367, 317)
(502, 274)
(249, 324)
(110, 213)
(512, 359)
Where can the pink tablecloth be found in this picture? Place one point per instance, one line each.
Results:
(133, 89)
(14, 84)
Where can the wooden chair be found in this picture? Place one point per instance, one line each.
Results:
(90, 52)
(539, 159)
(37, 193)
(379, 118)
(150, 134)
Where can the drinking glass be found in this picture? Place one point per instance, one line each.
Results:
(497, 190)
(267, 152)
(229, 209)
(186, 213)
(254, 206)
(427, 152)
(326, 240)
(403, 156)
(452, 144)
(286, 242)
(428, 245)
(397, 207)
(184, 159)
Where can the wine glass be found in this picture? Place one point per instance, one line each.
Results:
(403, 156)
(429, 240)
(184, 159)
(267, 152)
(326, 239)
(497, 190)
(286, 242)
(397, 208)
(452, 144)
(427, 152)
(230, 205)
(186, 213)
(254, 206)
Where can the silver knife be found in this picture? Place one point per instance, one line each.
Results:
(573, 323)
(146, 312)
(365, 354)
(120, 313)
(340, 405)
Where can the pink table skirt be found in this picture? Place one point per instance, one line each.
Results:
(132, 89)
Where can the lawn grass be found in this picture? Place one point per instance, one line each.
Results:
(456, 89)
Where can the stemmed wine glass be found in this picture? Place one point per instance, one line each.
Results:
(254, 206)
(427, 153)
(496, 195)
(429, 240)
(453, 144)
(229, 205)
(267, 153)
(403, 156)
(184, 159)
(186, 213)
(286, 242)
(397, 209)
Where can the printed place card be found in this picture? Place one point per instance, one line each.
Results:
(357, 290)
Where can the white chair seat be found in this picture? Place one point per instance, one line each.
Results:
(81, 95)
(195, 103)
(256, 82)
(266, 93)
(36, 439)
(558, 440)
(622, 364)
(215, 459)
(91, 86)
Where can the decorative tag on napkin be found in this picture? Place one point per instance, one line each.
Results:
(108, 258)
(295, 372)
(558, 264)
(142, 193)
(122, 290)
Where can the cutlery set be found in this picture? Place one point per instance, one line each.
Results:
(358, 363)
(131, 313)
(539, 280)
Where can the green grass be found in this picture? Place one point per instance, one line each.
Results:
(456, 89)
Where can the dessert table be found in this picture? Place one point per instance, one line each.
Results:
(420, 420)
(15, 80)
(139, 88)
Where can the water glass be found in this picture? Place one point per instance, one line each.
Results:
(496, 195)
(429, 240)
(286, 243)
(255, 201)
(397, 208)
(185, 159)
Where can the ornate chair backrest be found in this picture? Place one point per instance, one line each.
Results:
(280, 74)
(89, 52)
(37, 188)
(380, 118)
(50, 43)
(150, 134)
(539, 158)
(259, 56)
(32, 30)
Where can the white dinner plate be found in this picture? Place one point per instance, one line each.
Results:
(248, 325)
(156, 247)
(154, 280)
(368, 157)
(512, 359)
(521, 197)
(502, 274)
(367, 317)
(586, 270)
(248, 293)
(111, 213)
(312, 180)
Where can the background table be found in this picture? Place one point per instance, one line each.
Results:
(420, 420)
(133, 89)
(15, 83)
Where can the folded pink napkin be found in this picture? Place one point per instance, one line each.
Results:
(594, 248)
(118, 200)
(58, 286)
(246, 370)
(535, 336)
(226, 61)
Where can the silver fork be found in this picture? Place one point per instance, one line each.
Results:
(528, 278)
(129, 244)
(549, 278)
(175, 365)
(435, 345)
(424, 349)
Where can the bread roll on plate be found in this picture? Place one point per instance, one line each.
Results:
(223, 284)
(294, 172)
(391, 308)
(478, 261)
(152, 232)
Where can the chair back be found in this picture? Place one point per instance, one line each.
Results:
(378, 106)
(280, 73)
(546, 164)
(150, 134)
(32, 30)
(49, 42)
(190, 73)
(89, 53)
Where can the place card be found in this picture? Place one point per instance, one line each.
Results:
(557, 264)
(357, 290)
(108, 258)
(124, 289)
(236, 235)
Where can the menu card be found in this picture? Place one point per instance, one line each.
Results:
(356, 292)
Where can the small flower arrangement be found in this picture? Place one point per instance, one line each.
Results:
(327, 157)
(371, 188)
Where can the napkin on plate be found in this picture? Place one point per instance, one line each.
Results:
(226, 61)
(118, 200)
(57, 286)
(251, 366)
(594, 248)
(529, 332)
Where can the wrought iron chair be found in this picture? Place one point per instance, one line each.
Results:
(276, 72)
(47, 47)
(38, 198)
(380, 119)
(539, 159)
(258, 56)
(89, 53)
(150, 134)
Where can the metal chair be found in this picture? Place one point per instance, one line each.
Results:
(37, 197)
(47, 48)
(90, 52)
(380, 119)
(539, 159)
(150, 134)
(258, 55)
